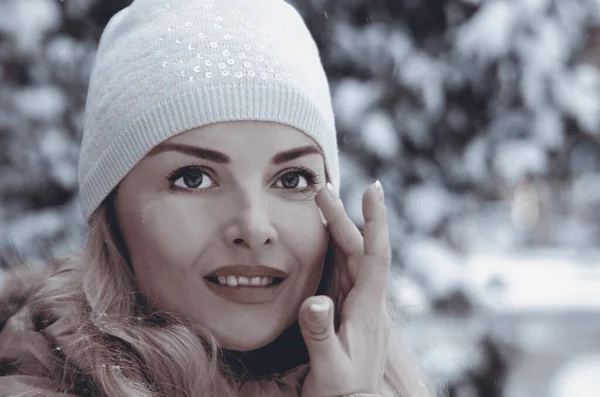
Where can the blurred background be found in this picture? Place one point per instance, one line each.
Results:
(481, 119)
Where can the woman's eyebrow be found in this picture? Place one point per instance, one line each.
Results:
(218, 157)
(292, 154)
(196, 151)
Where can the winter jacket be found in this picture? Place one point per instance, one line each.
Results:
(26, 349)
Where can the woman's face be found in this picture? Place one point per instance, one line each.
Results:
(229, 203)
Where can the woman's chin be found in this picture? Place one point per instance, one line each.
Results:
(248, 331)
(245, 340)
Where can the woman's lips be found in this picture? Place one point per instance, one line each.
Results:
(247, 271)
(246, 294)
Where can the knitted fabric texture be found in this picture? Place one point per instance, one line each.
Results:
(167, 66)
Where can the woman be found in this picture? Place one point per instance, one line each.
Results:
(219, 260)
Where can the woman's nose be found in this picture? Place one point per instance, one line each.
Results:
(251, 226)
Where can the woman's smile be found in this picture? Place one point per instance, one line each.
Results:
(234, 291)
(247, 284)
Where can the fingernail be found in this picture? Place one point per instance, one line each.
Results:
(330, 188)
(318, 310)
(319, 307)
(322, 216)
(379, 189)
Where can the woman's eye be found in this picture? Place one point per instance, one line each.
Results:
(191, 178)
(299, 180)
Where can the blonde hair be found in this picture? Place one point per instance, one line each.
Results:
(121, 347)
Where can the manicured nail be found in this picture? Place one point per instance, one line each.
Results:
(320, 307)
(330, 188)
(317, 311)
(379, 189)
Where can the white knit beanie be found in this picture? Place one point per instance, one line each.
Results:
(167, 66)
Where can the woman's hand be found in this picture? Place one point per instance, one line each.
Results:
(353, 360)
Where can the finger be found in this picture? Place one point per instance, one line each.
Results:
(347, 238)
(377, 251)
(375, 231)
(317, 327)
(344, 277)
(344, 232)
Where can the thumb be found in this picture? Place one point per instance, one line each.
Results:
(316, 325)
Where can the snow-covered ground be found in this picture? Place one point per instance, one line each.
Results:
(580, 377)
(540, 308)
(541, 280)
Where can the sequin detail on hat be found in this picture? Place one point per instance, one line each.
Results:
(226, 30)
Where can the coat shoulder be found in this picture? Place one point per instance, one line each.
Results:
(17, 286)
(26, 361)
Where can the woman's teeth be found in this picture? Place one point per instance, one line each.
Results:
(234, 281)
